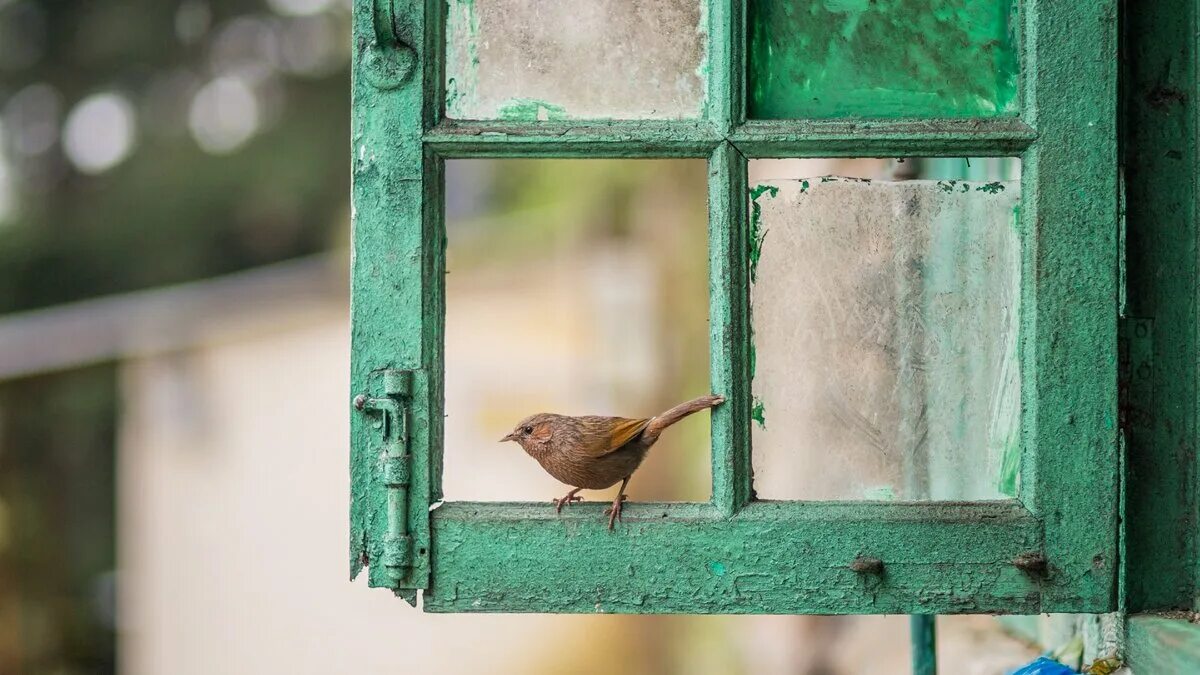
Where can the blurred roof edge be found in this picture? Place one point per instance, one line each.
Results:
(171, 318)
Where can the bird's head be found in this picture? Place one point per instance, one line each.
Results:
(533, 432)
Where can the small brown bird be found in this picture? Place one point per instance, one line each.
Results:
(592, 452)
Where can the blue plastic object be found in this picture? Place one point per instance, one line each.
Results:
(1043, 666)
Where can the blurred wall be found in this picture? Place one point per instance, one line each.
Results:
(232, 518)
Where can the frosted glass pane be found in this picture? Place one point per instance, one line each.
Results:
(531, 60)
(885, 333)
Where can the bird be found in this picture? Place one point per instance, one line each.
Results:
(591, 452)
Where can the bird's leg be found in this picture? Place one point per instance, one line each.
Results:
(570, 497)
(614, 511)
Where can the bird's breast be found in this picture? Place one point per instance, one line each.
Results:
(592, 473)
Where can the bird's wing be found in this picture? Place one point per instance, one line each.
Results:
(611, 433)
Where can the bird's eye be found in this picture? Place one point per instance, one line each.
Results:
(527, 430)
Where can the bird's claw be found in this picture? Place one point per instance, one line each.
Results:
(614, 512)
(560, 502)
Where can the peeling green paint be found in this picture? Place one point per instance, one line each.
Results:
(885, 58)
(991, 188)
(757, 235)
(758, 410)
(777, 557)
(531, 110)
(880, 493)
(758, 413)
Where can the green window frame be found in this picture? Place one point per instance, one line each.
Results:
(1052, 549)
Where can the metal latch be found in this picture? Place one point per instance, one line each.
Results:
(392, 57)
(392, 411)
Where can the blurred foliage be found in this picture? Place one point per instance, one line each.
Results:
(236, 157)
(171, 211)
(57, 524)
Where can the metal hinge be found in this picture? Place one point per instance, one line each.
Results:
(392, 421)
(1135, 371)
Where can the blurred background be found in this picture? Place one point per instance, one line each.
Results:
(174, 228)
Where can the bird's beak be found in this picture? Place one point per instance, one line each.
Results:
(510, 437)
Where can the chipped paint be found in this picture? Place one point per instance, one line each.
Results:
(758, 413)
(530, 110)
(786, 557)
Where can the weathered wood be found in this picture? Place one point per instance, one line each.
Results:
(772, 557)
(729, 326)
(736, 555)
(397, 305)
(1069, 219)
(1160, 407)
(883, 138)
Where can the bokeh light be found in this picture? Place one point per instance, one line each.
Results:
(224, 114)
(99, 133)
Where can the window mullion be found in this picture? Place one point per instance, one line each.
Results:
(729, 325)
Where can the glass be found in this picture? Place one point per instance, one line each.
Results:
(590, 59)
(885, 58)
(885, 319)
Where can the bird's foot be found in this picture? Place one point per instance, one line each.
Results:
(614, 512)
(560, 502)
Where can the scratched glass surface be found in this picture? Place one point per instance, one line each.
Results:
(885, 317)
(530, 60)
(917, 58)
(576, 287)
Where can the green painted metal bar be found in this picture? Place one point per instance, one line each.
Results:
(729, 325)
(1160, 157)
(883, 138)
(725, 104)
(1069, 301)
(772, 557)
(923, 637)
(610, 139)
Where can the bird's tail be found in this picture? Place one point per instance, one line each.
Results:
(660, 422)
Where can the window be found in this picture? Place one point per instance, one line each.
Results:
(733, 83)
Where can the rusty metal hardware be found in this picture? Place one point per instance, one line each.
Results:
(1032, 563)
(392, 410)
(867, 565)
(391, 59)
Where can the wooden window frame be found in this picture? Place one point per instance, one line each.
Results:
(1052, 549)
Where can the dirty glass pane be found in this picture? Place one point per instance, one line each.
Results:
(885, 332)
(885, 58)
(577, 287)
(532, 60)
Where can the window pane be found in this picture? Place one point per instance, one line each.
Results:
(533, 60)
(576, 287)
(885, 316)
(918, 58)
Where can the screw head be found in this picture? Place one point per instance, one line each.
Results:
(867, 565)
(1032, 563)
(360, 401)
